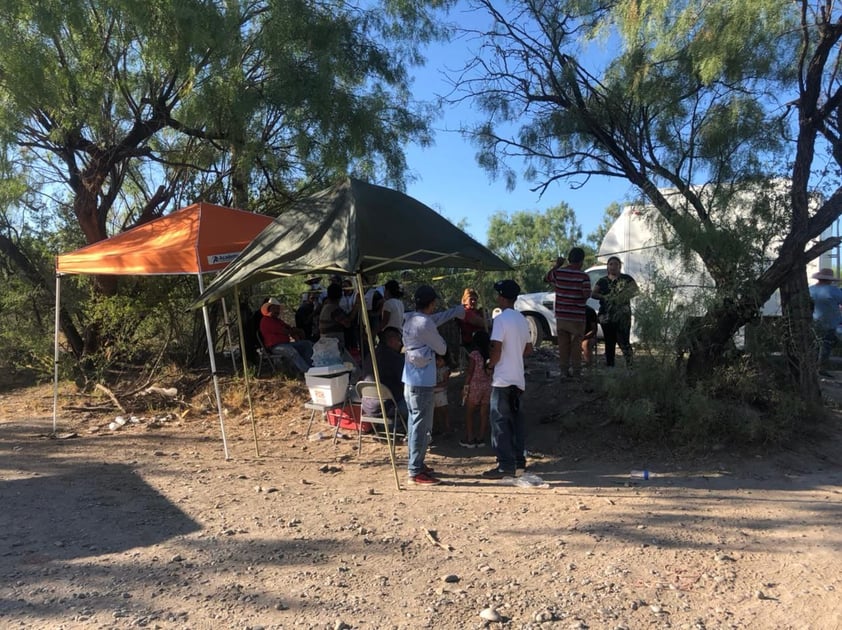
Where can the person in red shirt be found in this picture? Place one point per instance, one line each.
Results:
(282, 339)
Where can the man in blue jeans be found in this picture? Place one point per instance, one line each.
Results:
(510, 342)
(422, 342)
(827, 300)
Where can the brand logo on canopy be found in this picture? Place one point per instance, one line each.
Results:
(218, 259)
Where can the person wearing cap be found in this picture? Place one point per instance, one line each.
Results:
(422, 342)
(827, 300)
(572, 290)
(277, 337)
(314, 285)
(510, 343)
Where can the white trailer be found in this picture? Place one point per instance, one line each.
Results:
(650, 254)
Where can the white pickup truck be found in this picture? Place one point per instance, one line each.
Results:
(539, 309)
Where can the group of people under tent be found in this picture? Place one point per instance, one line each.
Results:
(412, 356)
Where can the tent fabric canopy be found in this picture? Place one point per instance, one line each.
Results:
(353, 227)
(200, 238)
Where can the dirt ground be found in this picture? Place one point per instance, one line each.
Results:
(149, 526)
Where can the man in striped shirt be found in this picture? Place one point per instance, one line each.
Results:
(572, 290)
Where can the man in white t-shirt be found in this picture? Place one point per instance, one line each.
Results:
(510, 342)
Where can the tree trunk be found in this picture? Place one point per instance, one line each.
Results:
(799, 338)
(709, 340)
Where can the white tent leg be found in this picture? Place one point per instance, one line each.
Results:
(206, 317)
(246, 372)
(55, 354)
(376, 370)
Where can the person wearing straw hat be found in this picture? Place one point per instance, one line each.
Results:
(277, 336)
(827, 300)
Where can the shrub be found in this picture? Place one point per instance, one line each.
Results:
(738, 405)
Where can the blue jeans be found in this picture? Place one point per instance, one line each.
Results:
(827, 340)
(300, 353)
(420, 408)
(508, 434)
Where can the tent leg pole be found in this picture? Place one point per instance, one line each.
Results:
(55, 354)
(246, 371)
(212, 357)
(370, 336)
(215, 382)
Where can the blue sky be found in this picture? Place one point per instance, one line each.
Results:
(450, 180)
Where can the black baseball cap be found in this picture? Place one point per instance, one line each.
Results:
(424, 295)
(509, 289)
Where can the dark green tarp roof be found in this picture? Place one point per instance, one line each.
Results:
(352, 227)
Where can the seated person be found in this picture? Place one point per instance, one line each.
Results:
(281, 339)
(333, 320)
(390, 368)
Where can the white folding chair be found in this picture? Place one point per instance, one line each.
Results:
(276, 361)
(263, 354)
(368, 389)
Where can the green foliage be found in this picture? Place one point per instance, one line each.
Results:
(531, 241)
(112, 112)
(146, 324)
(661, 311)
(26, 324)
(738, 406)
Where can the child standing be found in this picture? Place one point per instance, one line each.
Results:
(441, 417)
(477, 391)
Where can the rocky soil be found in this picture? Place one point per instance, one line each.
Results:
(147, 524)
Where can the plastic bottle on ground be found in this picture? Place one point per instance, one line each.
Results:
(641, 474)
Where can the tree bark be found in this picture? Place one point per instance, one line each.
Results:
(709, 338)
(799, 338)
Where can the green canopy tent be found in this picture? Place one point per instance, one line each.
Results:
(352, 228)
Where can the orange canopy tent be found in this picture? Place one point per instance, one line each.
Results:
(198, 239)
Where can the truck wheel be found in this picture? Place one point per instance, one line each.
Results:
(536, 330)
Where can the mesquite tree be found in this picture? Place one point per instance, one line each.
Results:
(114, 112)
(697, 104)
